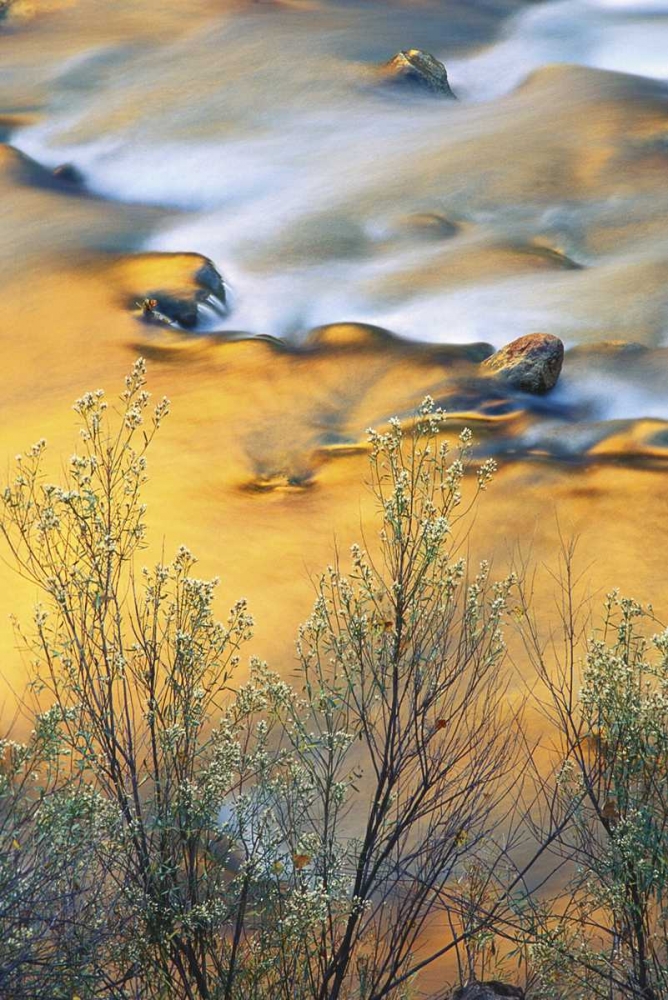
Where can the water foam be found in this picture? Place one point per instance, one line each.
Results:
(305, 160)
(619, 35)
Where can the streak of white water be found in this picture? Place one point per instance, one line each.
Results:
(621, 35)
(295, 175)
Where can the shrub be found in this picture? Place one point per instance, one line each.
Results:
(605, 932)
(182, 835)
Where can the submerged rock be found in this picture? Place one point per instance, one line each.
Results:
(608, 350)
(418, 69)
(492, 990)
(531, 364)
(427, 226)
(68, 174)
(30, 173)
(349, 336)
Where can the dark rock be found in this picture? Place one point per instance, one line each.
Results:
(182, 305)
(33, 174)
(181, 309)
(68, 174)
(151, 314)
(172, 287)
(490, 990)
(530, 364)
(208, 277)
(417, 69)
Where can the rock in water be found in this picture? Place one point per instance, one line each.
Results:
(68, 174)
(531, 364)
(492, 990)
(171, 287)
(418, 69)
(426, 226)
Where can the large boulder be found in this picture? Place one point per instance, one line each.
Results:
(530, 364)
(491, 990)
(417, 69)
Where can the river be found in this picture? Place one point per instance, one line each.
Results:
(411, 229)
(403, 230)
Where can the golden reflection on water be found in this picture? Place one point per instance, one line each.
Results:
(261, 467)
(241, 411)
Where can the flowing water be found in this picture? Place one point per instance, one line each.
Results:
(411, 229)
(260, 136)
(370, 241)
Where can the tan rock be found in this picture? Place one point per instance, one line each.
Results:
(419, 69)
(531, 363)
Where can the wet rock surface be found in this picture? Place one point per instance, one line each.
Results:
(28, 172)
(413, 68)
(427, 226)
(349, 336)
(69, 175)
(530, 364)
(172, 287)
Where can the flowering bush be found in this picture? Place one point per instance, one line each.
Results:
(606, 931)
(166, 834)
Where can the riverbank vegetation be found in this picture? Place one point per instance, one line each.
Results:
(182, 824)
